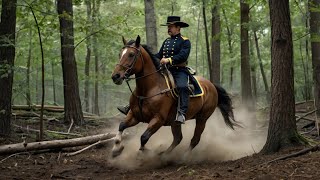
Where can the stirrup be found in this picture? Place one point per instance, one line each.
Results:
(180, 119)
(124, 109)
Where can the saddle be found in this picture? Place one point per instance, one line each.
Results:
(194, 86)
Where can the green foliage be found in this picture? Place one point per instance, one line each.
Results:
(117, 18)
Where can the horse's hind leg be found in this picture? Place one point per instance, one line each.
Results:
(177, 137)
(200, 125)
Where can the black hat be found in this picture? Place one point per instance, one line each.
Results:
(175, 20)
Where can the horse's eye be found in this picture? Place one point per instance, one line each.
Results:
(131, 54)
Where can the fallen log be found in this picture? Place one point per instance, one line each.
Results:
(23, 147)
(88, 147)
(296, 154)
(305, 118)
(49, 108)
(49, 131)
(306, 114)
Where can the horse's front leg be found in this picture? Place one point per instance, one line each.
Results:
(118, 147)
(154, 126)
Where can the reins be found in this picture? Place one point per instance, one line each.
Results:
(127, 79)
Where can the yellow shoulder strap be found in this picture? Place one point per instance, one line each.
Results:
(184, 38)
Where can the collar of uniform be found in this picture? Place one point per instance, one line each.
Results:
(178, 35)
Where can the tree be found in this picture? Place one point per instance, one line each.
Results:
(282, 130)
(7, 55)
(95, 47)
(88, 56)
(216, 42)
(314, 6)
(246, 90)
(72, 104)
(207, 41)
(151, 24)
(265, 82)
(230, 47)
(28, 94)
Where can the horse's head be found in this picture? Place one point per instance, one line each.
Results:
(130, 61)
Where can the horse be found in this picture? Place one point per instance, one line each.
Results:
(151, 102)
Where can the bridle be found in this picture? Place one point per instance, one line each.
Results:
(129, 70)
(130, 67)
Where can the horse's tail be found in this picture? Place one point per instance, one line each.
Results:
(225, 106)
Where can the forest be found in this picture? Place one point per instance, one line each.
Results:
(58, 98)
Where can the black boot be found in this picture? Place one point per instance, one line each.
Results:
(124, 109)
(181, 119)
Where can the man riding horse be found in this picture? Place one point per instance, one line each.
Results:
(175, 51)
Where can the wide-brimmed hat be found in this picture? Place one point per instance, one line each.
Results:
(175, 20)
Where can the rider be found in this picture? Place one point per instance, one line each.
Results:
(175, 51)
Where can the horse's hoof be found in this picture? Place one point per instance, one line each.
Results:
(164, 153)
(186, 157)
(144, 150)
(117, 152)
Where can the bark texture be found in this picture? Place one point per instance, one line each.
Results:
(7, 54)
(282, 130)
(216, 43)
(151, 24)
(246, 90)
(72, 104)
(314, 6)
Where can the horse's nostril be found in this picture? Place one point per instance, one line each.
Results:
(115, 77)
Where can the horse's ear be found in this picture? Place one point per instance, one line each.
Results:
(124, 41)
(138, 41)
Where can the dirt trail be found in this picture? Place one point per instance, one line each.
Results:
(221, 154)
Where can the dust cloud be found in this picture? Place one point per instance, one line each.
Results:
(218, 143)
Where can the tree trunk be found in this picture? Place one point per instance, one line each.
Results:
(21, 147)
(315, 46)
(305, 74)
(230, 48)
(246, 91)
(207, 41)
(216, 43)
(28, 94)
(197, 40)
(253, 72)
(265, 82)
(308, 80)
(88, 57)
(37, 84)
(7, 55)
(282, 130)
(72, 103)
(96, 7)
(151, 24)
(53, 83)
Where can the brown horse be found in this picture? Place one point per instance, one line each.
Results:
(151, 101)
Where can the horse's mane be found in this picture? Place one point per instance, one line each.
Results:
(155, 60)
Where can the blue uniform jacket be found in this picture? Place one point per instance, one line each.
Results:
(177, 49)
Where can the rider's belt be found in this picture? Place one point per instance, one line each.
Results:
(184, 64)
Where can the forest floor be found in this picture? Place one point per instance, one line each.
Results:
(221, 153)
